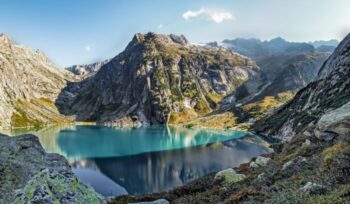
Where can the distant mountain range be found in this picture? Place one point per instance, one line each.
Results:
(86, 70)
(320, 43)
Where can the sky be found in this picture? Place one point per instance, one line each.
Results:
(84, 31)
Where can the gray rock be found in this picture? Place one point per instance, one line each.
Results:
(159, 201)
(228, 177)
(307, 142)
(325, 136)
(313, 188)
(259, 162)
(295, 163)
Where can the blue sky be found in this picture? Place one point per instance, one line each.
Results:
(83, 31)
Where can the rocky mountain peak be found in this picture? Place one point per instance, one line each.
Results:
(158, 39)
(157, 79)
(5, 40)
(278, 40)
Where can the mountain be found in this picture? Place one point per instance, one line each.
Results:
(285, 68)
(327, 93)
(157, 79)
(29, 86)
(86, 70)
(279, 74)
(319, 43)
(257, 49)
(311, 165)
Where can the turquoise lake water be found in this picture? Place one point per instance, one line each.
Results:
(149, 159)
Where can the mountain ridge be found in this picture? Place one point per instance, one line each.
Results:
(172, 76)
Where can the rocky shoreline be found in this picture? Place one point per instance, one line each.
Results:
(30, 175)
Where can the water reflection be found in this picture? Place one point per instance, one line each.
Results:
(161, 171)
(145, 160)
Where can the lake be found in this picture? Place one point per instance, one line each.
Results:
(116, 161)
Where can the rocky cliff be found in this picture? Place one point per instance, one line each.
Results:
(30, 175)
(329, 91)
(157, 79)
(29, 86)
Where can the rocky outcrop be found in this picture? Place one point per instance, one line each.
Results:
(157, 79)
(29, 86)
(328, 92)
(83, 71)
(30, 175)
(228, 177)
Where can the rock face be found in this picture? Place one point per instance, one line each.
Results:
(328, 92)
(29, 85)
(157, 79)
(83, 71)
(29, 175)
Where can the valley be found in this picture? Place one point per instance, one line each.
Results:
(167, 115)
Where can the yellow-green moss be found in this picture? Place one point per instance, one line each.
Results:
(181, 117)
(224, 120)
(260, 108)
(330, 152)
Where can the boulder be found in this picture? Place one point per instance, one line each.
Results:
(295, 163)
(159, 201)
(259, 162)
(228, 177)
(313, 188)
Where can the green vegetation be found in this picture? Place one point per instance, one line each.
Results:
(224, 120)
(259, 109)
(330, 153)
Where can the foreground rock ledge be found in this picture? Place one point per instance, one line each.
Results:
(30, 175)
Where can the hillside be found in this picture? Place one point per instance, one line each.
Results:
(329, 91)
(29, 86)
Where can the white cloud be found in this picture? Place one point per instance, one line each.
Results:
(87, 48)
(212, 14)
(160, 26)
